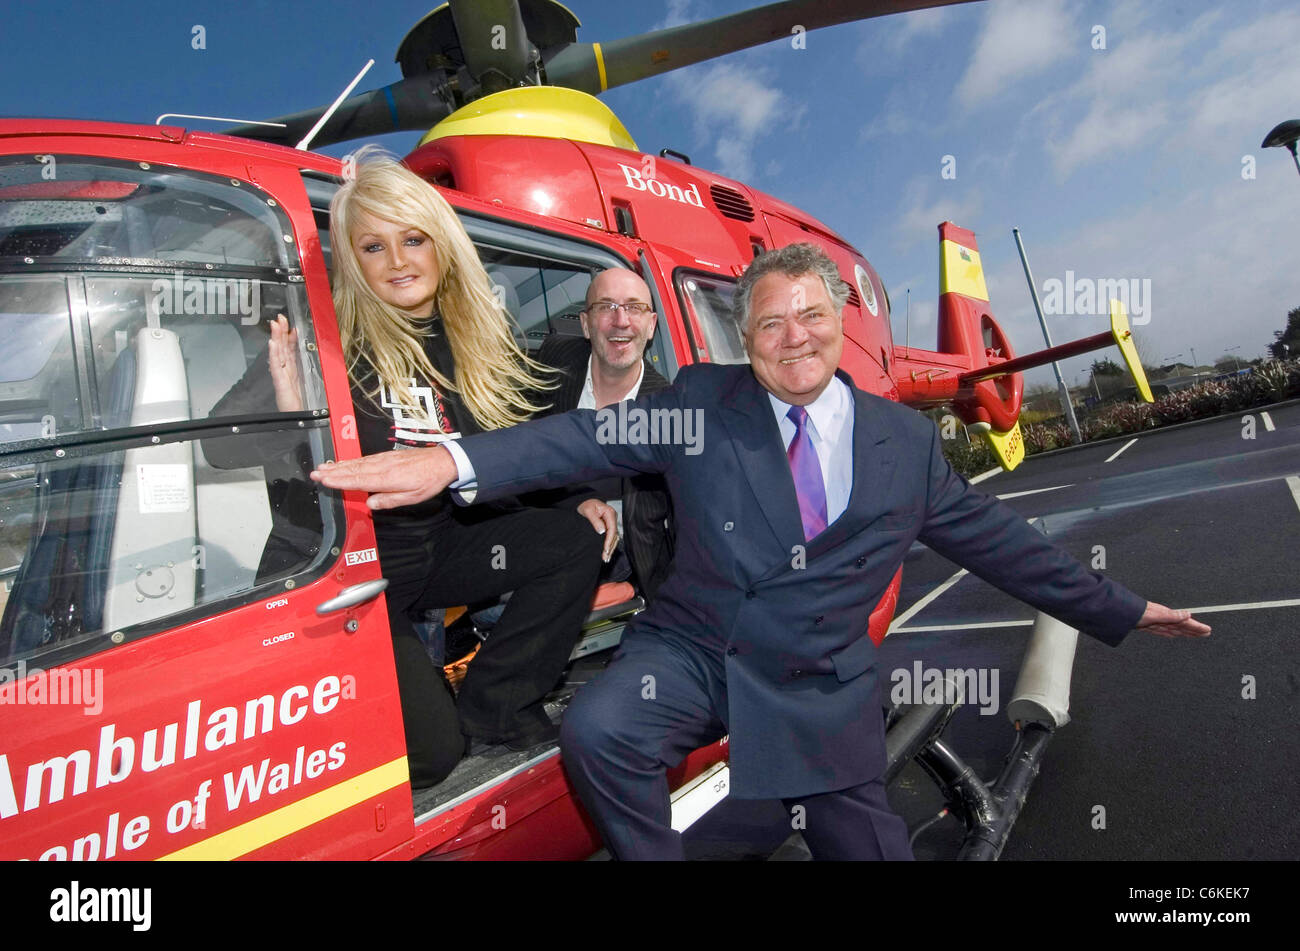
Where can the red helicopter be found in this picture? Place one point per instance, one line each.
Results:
(162, 701)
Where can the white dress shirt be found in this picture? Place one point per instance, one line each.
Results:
(830, 426)
(588, 401)
(588, 398)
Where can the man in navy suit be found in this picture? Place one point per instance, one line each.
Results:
(797, 497)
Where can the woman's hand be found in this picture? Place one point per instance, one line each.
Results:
(283, 360)
(604, 521)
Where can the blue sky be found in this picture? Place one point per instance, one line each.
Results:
(1117, 163)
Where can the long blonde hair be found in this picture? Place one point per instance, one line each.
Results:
(493, 374)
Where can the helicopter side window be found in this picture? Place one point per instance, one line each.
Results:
(541, 280)
(132, 301)
(540, 296)
(715, 334)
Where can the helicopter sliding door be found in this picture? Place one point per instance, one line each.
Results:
(167, 688)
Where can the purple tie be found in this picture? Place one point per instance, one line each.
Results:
(807, 472)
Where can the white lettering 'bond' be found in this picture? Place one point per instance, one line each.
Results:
(687, 196)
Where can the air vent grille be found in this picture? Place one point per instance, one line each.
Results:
(731, 203)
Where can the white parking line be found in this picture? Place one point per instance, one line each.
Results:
(921, 604)
(1246, 606)
(958, 627)
(986, 475)
(1293, 483)
(1115, 454)
(1050, 488)
(1208, 609)
(1268, 421)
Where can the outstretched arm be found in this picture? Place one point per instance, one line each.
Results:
(993, 541)
(546, 453)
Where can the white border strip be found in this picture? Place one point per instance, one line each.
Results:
(700, 795)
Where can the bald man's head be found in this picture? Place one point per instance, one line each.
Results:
(619, 319)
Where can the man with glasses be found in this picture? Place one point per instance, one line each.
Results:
(603, 367)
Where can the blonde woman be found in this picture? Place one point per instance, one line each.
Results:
(430, 357)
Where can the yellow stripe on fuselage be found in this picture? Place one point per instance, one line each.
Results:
(960, 271)
(600, 66)
(264, 830)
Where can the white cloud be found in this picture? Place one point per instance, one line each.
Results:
(733, 108)
(917, 24)
(1019, 38)
(678, 13)
(1211, 86)
(1218, 259)
(1106, 131)
(921, 212)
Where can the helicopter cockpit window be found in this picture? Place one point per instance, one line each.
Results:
(146, 468)
(708, 300)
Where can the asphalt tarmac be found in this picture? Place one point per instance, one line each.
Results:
(1176, 749)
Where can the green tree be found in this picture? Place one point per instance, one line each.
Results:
(1287, 342)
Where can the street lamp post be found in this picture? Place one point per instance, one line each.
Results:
(1067, 406)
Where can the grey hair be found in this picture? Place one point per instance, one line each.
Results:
(794, 260)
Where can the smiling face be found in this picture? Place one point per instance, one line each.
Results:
(618, 338)
(398, 263)
(794, 338)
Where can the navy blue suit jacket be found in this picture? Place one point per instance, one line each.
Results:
(803, 703)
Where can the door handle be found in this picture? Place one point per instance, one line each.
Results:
(351, 597)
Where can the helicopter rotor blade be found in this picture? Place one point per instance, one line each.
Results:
(415, 103)
(493, 41)
(627, 60)
(484, 26)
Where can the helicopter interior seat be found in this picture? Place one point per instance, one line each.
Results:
(566, 322)
(152, 566)
(611, 602)
(231, 505)
(504, 290)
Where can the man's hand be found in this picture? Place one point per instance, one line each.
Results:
(604, 520)
(1166, 622)
(395, 478)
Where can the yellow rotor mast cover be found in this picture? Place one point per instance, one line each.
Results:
(1124, 339)
(549, 112)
